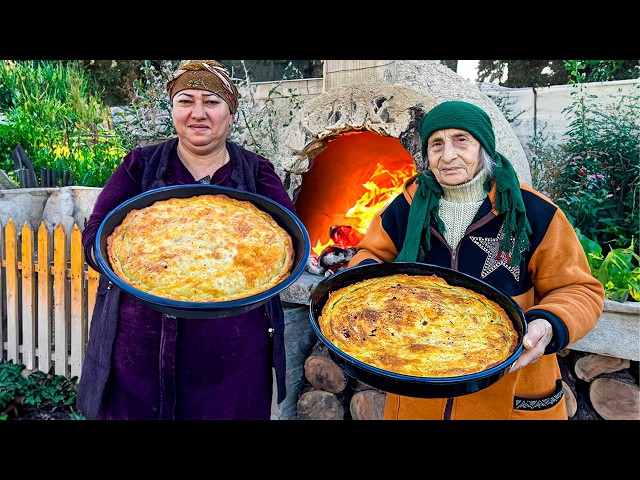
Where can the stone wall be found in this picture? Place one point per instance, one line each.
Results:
(64, 206)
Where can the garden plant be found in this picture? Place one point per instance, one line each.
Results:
(54, 112)
(36, 395)
(595, 179)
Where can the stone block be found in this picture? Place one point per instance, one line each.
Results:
(617, 332)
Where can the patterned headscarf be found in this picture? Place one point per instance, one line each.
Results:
(205, 75)
(470, 118)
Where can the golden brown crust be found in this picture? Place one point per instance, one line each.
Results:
(418, 325)
(206, 248)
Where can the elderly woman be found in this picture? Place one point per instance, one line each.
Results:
(142, 364)
(469, 212)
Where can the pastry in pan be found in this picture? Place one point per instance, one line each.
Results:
(418, 325)
(205, 248)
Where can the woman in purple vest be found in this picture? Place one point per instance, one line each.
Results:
(142, 364)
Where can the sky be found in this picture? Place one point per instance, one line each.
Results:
(468, 69)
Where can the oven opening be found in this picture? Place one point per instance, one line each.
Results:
(357, 174)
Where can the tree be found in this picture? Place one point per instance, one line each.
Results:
(544, 73)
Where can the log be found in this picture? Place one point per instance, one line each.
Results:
(322, 372)
(320, 405)
(590, 366)
(615, 400)
(367, 405)
(359, 386)
(570, 398)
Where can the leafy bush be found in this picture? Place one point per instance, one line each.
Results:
(599, 187)
(20, 387)
(594, 178)
(51, 110)
(258, 124)
(618, 271)
(148, 116)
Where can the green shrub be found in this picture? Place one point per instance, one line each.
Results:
(618, 271)
(20, 387)
(51, 110)
(598, 186)
(148, 116)
(594, 178)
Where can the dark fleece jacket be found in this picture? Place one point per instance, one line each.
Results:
(553, 281)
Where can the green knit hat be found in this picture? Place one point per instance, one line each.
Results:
(424, 207)
(461, 115)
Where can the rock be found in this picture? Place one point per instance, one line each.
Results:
(64, 205)
(299, 339)
(23, 205)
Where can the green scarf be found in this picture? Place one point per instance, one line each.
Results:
(424, 207)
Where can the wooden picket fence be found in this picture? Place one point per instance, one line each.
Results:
(48, 295)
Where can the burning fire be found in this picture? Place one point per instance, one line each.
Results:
(382, 187)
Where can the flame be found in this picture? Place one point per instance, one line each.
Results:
(381, 188)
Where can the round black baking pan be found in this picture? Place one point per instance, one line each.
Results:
(284, 217)
(423, 387)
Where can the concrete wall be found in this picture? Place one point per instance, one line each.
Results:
(540, 111)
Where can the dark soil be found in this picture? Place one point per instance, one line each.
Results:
(45, 411)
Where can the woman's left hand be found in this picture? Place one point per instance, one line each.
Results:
(539, 334)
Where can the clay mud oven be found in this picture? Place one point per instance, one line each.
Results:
(340, 174)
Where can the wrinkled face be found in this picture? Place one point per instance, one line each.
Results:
(454, 156)
(200, 117)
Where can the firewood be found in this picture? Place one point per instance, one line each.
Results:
(570, 398)
(320, 405)
(323, 372)
(615, 400)
(359, 386)
(590, 366)
(367, 405)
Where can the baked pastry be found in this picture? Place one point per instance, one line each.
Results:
(418, 325)
(206, 248)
